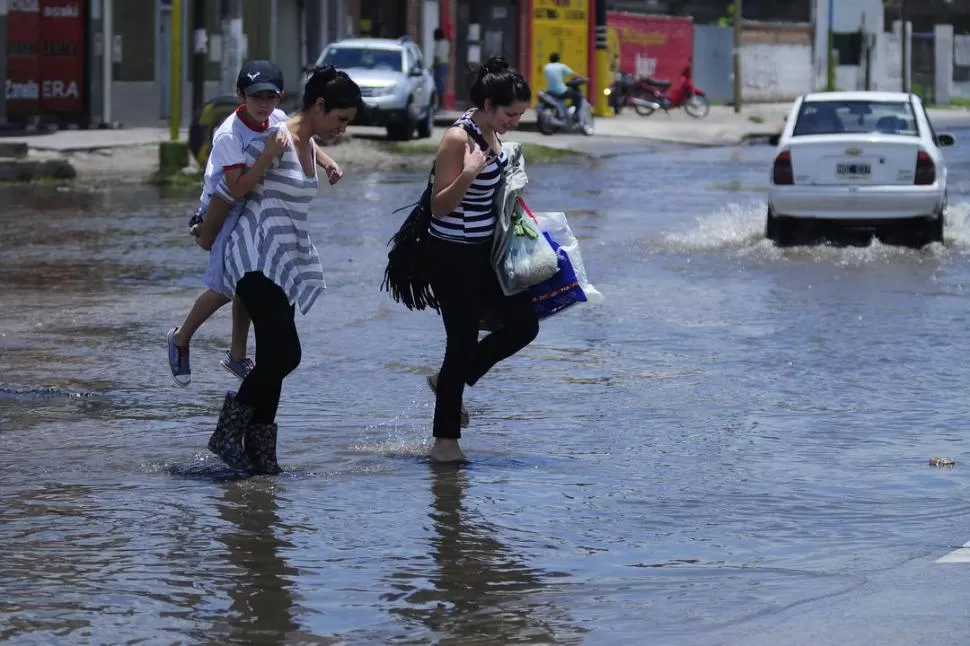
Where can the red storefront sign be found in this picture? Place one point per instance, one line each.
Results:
(656, 46)
(22, 85)
(45, 57)
(62, 56)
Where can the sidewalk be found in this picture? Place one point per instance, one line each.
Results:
(722, 127)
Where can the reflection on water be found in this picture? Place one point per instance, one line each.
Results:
(479, 591)
(262, 608)
(738, 431)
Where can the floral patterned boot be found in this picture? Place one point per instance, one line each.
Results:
(261, 448)
(227, 439)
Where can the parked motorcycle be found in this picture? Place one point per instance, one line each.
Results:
(619, 93)
(650, 95)
(553, 115)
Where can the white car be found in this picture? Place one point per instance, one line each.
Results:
(396, 85)
(851, 163)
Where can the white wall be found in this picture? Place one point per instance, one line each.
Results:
(775, 71)
(848, 16)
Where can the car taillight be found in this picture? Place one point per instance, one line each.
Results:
(925, 169)
(781, 172)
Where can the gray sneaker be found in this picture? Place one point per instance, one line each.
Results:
(240, 369)
(178, 361)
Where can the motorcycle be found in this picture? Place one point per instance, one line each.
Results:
(650, 95)
(619, 93)
(553, 115)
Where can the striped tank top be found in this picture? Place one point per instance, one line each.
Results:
(473, 221)
(272, 236)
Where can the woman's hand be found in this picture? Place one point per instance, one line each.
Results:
(475, 160)
(333, 172)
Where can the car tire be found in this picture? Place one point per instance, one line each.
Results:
(400, 131)
(780, 231)
(426, 125)
(934, 231)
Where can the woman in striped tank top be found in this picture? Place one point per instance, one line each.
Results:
(468, 170)
(273, 267)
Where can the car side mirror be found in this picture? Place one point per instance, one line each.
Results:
(417, 70)
(944, 140)
(773, 140)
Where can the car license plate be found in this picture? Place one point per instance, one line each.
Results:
(853, 169)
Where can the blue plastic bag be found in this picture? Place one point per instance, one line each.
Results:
(559, 292)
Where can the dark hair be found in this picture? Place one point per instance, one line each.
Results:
(439, 34)
(336, 89)
(554, 57)
(495, 80)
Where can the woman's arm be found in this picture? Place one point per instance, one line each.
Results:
(457, 164)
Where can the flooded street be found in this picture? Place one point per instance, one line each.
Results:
(732, 449)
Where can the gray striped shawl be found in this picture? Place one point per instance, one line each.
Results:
(272, 236)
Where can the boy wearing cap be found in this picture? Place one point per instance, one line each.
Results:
(259, 87)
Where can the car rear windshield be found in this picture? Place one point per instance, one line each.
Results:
(345, 58)
(839, 117)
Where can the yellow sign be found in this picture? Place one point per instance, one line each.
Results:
(560, 26)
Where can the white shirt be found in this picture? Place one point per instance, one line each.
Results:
(442, 51)
(229, 143)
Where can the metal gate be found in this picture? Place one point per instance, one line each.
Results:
(961, 66)
(713, 65)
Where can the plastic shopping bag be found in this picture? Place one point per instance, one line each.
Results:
(554, 223)
(531, 259)
(559, 292)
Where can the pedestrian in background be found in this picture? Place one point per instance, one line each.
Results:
(442, 57)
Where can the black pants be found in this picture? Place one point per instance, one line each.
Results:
(467, 289)
(278, 349)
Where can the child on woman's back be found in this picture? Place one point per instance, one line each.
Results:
(260, 88)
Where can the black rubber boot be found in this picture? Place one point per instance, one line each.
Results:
(227, 439)
(261, 448)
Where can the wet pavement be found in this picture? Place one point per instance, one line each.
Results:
(732, 449)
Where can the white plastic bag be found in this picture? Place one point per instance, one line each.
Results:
(531, 259)
(554, 223)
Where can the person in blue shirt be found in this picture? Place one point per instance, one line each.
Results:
(556, 75)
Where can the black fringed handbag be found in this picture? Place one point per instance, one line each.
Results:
(407, 277)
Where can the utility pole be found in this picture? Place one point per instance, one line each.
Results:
(200, 46)
(175, 72)
(738, 12)
(829, 47)
(232, 41)
(905, 46)
(107, 60)
(601, 63)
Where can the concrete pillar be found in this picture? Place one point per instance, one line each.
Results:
(942, 63)
(906, 42)
(232, 44)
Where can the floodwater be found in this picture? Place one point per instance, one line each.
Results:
(732, 449)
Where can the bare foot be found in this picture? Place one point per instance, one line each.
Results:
(433, 384)
(446, 451)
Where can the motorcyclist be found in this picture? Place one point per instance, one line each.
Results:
(556, 74)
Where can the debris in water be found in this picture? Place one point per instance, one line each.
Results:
(942, 462)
